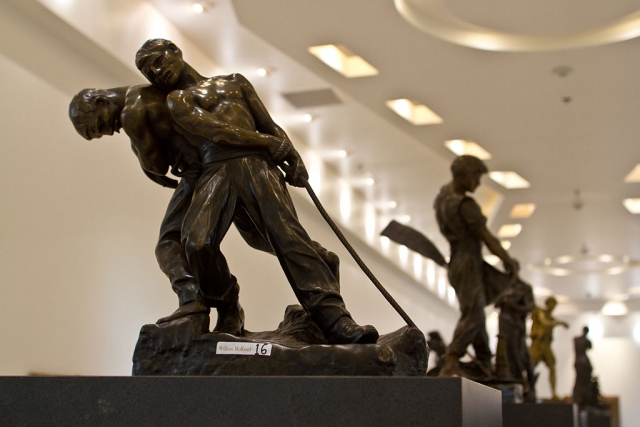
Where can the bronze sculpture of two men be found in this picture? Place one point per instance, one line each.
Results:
(217, 136)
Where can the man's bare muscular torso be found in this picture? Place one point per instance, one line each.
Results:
(154, 139)
(224, 97)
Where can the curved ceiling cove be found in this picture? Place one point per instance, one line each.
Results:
(432, 17)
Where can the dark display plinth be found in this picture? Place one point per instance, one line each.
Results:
(247, 401)
(539, 414)
(595, 418)
(511, 393)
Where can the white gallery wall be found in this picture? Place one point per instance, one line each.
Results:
(79, 223)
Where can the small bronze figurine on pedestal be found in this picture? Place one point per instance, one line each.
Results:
(585, 390)
(541, 338)
(513, 363)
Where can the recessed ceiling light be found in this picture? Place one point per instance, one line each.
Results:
(265, 71)
(202, 6)
(632, 205)
(614, 308)
(492, 259)
(542, 292)
(509, 230)
(393, 204)
(634, 175)
(505, 244)
(333, 154)
(403, 219)
(522, 210)
(307, 117)
(343, 61)
(463, 146)
(509, 179)
(370, 181)
(413, 112)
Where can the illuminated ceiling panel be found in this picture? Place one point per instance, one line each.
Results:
(509, 179)
(343, 61)
(522, 210)
(413, 112)
(632, 205)
(634, 175)
(509, 230)
(462, 146)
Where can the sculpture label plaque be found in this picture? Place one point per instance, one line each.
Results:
(244, 348)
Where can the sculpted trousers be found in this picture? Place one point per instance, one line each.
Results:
(254, 188)
(169, 250)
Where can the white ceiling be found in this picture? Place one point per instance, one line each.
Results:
(510, 103)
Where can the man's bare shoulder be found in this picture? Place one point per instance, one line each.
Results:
(142, 103)
(144, 97)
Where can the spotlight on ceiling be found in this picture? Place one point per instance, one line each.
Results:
(404, 219)
(265, 71)
(202, 6)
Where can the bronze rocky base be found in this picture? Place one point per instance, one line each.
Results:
(186, 347)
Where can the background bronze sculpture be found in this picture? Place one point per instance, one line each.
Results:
(513, 363)
(541, 338)
(586, 389)
(476, 283)
(436, 345)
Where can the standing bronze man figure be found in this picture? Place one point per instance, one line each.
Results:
(476, 283)
(541, 337)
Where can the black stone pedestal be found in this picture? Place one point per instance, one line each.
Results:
(247, 401)
(539, 415)
(595, 419)
(511, 393)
